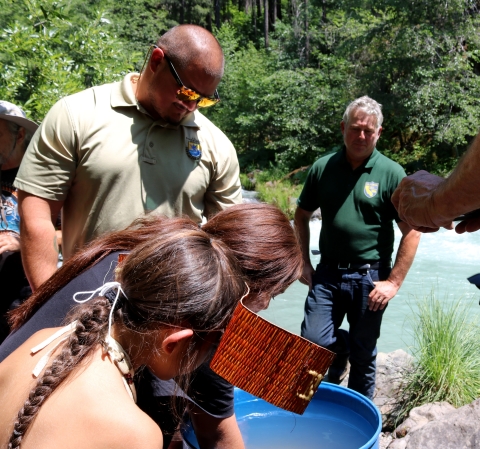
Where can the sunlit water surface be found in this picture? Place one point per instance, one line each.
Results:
(335, 419)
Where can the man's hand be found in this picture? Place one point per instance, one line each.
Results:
(307, 275)
(414, 202)
(383, 292)
(471, 225)
(9, 241)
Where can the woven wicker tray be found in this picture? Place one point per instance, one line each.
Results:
(269, 362)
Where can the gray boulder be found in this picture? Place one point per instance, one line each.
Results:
(440, 425)
(391, 368)
(419, 416)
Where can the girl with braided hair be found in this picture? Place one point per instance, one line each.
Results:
(174, 294)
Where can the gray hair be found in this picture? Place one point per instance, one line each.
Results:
(366, 104)
(14, 128)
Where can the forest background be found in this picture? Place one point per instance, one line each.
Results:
(291, 68)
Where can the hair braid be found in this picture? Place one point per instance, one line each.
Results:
(92, 322)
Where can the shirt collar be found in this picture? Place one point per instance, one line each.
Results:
(122, 96)
(369, 163)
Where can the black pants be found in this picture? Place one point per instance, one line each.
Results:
(14, 289)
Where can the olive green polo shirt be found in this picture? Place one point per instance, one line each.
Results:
(100, 153)
(357, 213)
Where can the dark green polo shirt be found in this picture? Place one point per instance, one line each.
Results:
(357, 213)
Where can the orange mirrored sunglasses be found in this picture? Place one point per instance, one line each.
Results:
(185, 93)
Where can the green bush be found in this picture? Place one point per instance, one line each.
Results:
(247, 182)
(447, 356)
(281, 194)
(50, 49)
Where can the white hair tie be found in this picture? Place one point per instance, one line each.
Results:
(102, 291)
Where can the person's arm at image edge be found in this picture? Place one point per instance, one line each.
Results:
(215, 433)
(385, 290)
(428, 202)
(302, 224)
(460, 193)
(38, 238)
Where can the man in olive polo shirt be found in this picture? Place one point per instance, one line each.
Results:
(354, 277)
(111, 153)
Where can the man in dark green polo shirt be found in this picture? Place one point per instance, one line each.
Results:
(355, 277)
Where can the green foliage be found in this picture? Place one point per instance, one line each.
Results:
(45, 56)
(282, 194)
(447, 362)
(280, 105)
(419, 60)
(247, 182)
(275, 114)
(138, 24)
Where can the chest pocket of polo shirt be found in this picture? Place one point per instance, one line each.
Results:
(371, 202)
(196, 161)
(168, 175)
(149, 148)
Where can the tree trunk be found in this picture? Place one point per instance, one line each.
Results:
(217, 13)
(279, 10)
(188, 12)
(209, 22)
(265, 21)
(273, 14)
(259, 8)
(307, 38)
(182, 12)
(295, 14)
(254, 16)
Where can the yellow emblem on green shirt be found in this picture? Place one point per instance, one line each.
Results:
(370, 189)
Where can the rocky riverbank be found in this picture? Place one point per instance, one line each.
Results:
(431, 426)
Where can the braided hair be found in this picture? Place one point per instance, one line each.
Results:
(90, 329)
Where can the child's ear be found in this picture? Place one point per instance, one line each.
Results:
(172, 341)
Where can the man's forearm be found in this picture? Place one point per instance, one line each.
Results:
(216, 433)
(39, 252)
(405, 255)
(302, 224)
(460, 193)
(38, 238)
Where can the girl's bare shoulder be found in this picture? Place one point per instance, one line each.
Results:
(140, 431)
(129, 428)
(102, 400)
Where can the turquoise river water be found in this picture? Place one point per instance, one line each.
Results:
(444, 261)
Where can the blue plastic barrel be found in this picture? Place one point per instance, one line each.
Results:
(336, 418)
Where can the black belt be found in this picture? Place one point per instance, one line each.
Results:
(354, 266)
